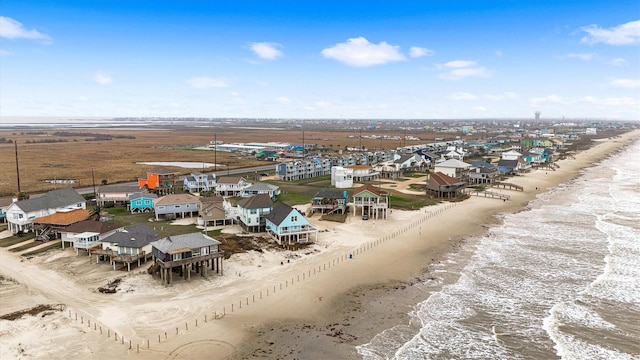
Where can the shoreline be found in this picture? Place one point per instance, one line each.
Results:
(360, 313)
(324, 316)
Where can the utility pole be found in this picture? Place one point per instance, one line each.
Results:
(15, 143)
(215, 152)
(303, 150)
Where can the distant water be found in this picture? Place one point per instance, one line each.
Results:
(559, 280)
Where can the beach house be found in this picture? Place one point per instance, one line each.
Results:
(328, 201)
(141, 202)
(370, 201)
(20, 214)
(440, 185)
(173, 206)
(288, 226)
(160, 181)
(184, 254)
(127, 246)
(252, 212)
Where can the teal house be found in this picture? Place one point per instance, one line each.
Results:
(141, 202)
(287, 226)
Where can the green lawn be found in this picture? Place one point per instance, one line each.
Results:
(16, 239)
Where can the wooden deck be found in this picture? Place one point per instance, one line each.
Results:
(506, 185)
(488, 194)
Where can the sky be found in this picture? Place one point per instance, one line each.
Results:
(429, 59)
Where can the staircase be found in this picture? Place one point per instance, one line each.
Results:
(44, 235)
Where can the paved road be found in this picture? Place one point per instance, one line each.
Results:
(254, 169)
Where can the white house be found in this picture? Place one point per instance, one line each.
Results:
(252, 210)
(453, 168)
(20, 214)
(341, 177)
(198, 182)
(511, 155)
(230, 185)
(261, 188)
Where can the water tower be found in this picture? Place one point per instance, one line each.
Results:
(537, 115)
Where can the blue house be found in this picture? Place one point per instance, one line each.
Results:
(287, 226)
(141, 202)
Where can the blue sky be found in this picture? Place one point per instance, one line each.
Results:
(321, 59)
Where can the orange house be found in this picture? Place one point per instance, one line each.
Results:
(160, 181)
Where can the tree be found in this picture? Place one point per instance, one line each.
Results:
(104, 182)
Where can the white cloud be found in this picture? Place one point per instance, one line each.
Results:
(266, 50)
(547, 99)
(462, 96)
(499, 53)
(582, 56)
(418, 52)
(283, 100)
(625, 83)
(618, 61)
(459, 64)
(323, 103)
(4, 52)
(359, 52)
(503, 96)
(102, 78)
(12, 29)
(625, 34)
(205, 82)
(461, 69)
(479, 108)
(612, 101)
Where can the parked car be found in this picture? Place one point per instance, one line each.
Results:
(365, 217)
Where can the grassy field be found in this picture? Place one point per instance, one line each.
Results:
(90, 156)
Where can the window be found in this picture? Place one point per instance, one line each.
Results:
(177, 206)
(177, 256)
(294, 218)
(253, 211)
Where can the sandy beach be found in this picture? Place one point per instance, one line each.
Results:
(315, 304)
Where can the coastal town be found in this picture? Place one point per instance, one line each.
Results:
(172, 232)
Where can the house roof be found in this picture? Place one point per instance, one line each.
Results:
(229, 179)
(176, 199)
(482, 164)
(119, 188)
(404, 158)
(256, 202)
(52, 200)
(330, 194)
(208, 200)
(368, 187)
(64, 217)
(178, 242)
(510, 164)
(444, 179)
(136, 236)
(359, 167)
(142, 195)
(454, 163)
(99, 227)
(512, 152)
(261, 186)
(280, 212)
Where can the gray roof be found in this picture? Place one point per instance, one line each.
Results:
(143, 195)
(52, 200)
(280, 212)
(261, 186)
(256, 202)
(330, 194)
(136, 236)
(100, 227)
(119, 188)
(194, 240)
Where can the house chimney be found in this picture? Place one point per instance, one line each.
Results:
(14, 200)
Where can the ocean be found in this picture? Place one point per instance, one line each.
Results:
(559, 280)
